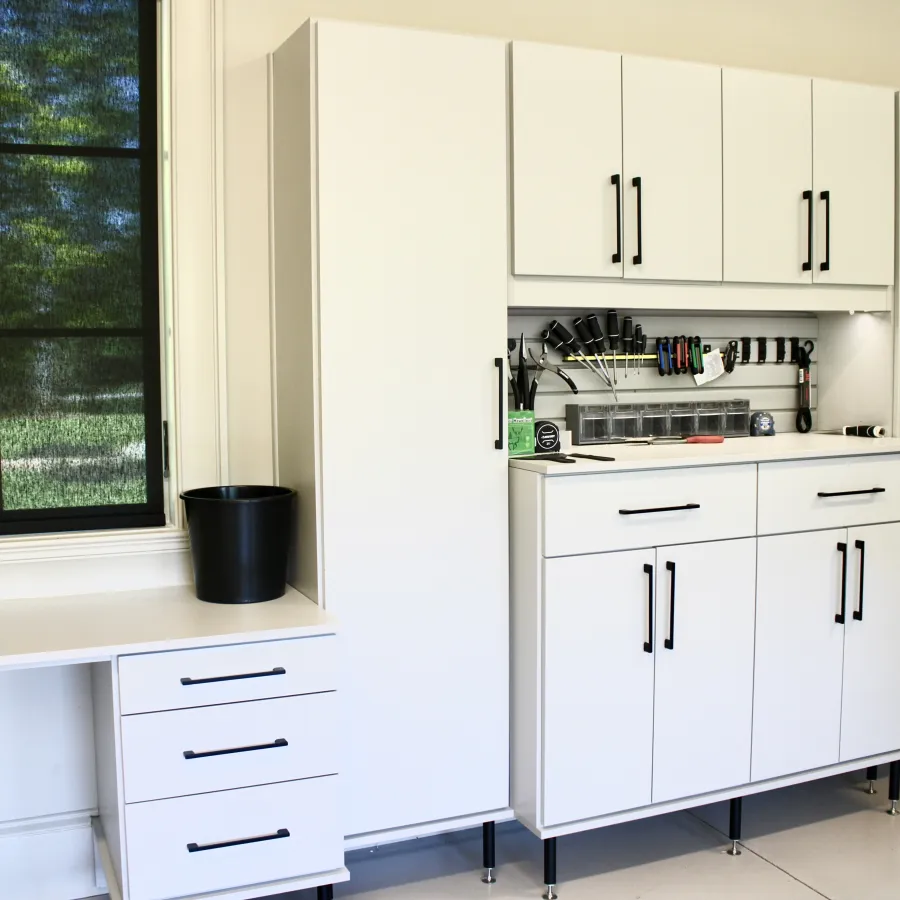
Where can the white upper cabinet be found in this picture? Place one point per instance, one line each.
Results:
(567, 157)
(672, 151)
(767, 177)
(853, 153)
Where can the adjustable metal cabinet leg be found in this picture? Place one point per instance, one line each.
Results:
(550, 869)
(487, 845)
(325, 892)
(734, 825)
(872, 777)
(894, 788)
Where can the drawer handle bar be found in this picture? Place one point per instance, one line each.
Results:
(657, 509)
(851, 493)
(842, 615)
(861, 546)
(670, 640)
(648, 644)
(278, 670)
(199, 848)
(280, 742)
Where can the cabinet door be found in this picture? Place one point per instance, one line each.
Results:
(704, 667)
(567, 146)
(869, 723)
(412, 162)
(767, 166)
(598, 684)
(853, 152)
(672, 142)
(799, 653)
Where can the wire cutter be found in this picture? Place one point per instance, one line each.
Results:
(542, 365)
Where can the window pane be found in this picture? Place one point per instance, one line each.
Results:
(70, 253)
(69, 72)
(71, 422)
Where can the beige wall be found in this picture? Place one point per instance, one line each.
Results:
(854, 40)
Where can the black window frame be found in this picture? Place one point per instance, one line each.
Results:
(152, 512)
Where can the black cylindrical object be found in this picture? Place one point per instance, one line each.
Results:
(240, 538)
(734, 819)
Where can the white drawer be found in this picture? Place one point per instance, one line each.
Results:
(181, 678)
(232, 746)
(864, 490)
(193, 845)
(596, 513)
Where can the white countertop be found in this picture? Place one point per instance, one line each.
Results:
(734, 450)
(94, 627)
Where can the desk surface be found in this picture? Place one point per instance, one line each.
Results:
(93, 627)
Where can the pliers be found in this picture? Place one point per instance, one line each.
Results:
(541, 365)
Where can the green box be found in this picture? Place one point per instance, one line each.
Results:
(520, 431)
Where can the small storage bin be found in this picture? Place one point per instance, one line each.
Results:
(737, 418)
(710, 418)
(625, 421)
(682, 419)
(588, 424)
(655, 420)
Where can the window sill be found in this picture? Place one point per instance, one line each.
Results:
(85, 545)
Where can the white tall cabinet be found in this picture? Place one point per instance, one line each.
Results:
(391, 233)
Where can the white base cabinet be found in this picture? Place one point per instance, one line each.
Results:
(653, 678)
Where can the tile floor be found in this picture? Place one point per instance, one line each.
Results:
(823, 839)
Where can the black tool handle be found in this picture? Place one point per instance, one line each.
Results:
(584, 333)
(861, 546)
(561, 333)
(281, 833)
(808, 197)
(617, 181)
(670, 640)
(842, 549)
(875, 490)
(596, 331)
(648, 644)
(658, 509)
(639, 256)
(279, 742)
(189, 682)
(498, 362)
(628, 334)
(612, 329)
(826, 196)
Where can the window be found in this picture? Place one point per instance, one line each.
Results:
(80, 407)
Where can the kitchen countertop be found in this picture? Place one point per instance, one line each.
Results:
(779, 448)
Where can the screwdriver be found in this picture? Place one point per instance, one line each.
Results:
(593, 324)
(590, 342)
(560, 337)
(612, 334)
(640, 345)
(627, 339)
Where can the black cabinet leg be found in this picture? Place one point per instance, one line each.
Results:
(325, 892)
(872, 777)
(894, 788)
(550, 869)
(488, 849)
(734, 825)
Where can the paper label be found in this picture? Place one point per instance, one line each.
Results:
(713, 367)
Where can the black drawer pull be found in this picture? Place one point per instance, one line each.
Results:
(861, 546)
(657, 509)
(617, 181)
(851, 493)
(278, 670)
(670, 640)
(648, 644)
(808, 197)
(190, 754)
(199, 848)
(842, 615)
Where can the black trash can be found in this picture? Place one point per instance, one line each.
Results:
(240, 540)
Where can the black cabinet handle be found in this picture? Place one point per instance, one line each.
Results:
(617, 181)
(839, 618)
(670, 640)
(498, 362)
(808, 197)
(639, 258)
(861, 546)
(657, 509)
(826, 196)
(188, 682)
(851, 493)
(199, 848)
(648, 644)
(190, 754)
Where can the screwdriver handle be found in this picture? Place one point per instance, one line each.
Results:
(558, 330)
(612, 329)
(594, 325)
(584, 332)
(628, 334)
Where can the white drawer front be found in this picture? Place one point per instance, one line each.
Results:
(179, 679)
(162, 835)
(867, 489)
(596, 513)
(269, 740)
